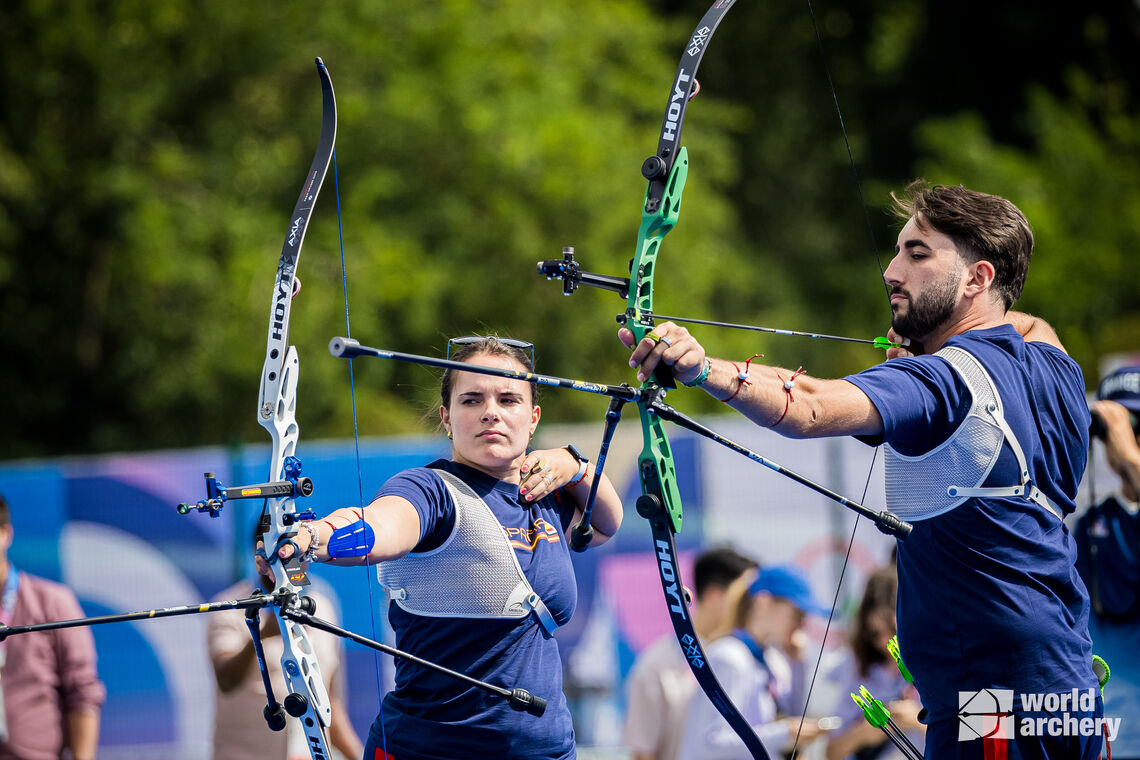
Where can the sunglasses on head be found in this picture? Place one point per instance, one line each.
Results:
(467, 340)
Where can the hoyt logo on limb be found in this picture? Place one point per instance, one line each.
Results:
(673, 588)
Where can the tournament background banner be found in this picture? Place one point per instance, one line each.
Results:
(107, 527)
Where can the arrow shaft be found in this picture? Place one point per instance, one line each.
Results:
(771, 330)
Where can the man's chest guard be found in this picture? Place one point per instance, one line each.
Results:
(928, 485)
(473, 574)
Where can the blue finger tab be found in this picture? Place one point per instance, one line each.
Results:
(353, 540)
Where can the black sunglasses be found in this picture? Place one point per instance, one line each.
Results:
(467, 340)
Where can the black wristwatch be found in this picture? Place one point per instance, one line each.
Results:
(583, 464)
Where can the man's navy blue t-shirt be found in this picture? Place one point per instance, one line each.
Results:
(988, 592)
(428, 715)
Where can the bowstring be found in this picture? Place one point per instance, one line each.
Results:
(882, 272)
(356, 443)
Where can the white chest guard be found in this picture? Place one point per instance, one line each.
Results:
(473, 574)
(933, 483)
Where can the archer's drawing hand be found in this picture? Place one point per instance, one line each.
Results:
(909, 347)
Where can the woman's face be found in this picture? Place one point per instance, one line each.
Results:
(490, 419)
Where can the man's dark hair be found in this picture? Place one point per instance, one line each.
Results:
(983, 226)
(719, 566)
(5, 514)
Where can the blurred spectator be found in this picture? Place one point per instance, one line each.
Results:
(240, 730)
(869, 663)
(1108, 541)
(51, 693)
(755, 676)
(660, 683)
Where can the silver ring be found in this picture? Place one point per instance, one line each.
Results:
(666, 341)
(549, 479)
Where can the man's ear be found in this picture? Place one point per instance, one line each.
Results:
(979, 278)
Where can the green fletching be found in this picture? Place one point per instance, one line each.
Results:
(873, 710)
(1100, 668)
(893, 648)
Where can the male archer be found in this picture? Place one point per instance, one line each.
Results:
(986, 432)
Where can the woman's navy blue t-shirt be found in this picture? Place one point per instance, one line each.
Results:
(428, 715)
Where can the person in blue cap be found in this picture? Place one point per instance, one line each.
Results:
(1108, 555)
(755, 674)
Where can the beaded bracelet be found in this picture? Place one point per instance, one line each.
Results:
(314, 542)
(742, 377)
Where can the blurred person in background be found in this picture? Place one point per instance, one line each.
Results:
(240, 730)
(869, 663)
(755, 674)
(660, 684)
(51, 693)
(1108, 556)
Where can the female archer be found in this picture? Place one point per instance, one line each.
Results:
(473, 553)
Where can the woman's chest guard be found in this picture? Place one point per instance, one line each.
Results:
(473, 574)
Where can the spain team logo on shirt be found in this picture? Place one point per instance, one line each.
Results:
(528, 538)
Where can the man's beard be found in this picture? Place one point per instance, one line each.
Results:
(929, 311)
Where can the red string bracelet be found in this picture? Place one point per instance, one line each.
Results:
(789, 384)
(741, 376)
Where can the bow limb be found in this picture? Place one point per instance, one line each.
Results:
(660, 502)
(276, 411)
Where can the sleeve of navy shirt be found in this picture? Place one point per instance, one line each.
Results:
(920, 400)
(431, 499)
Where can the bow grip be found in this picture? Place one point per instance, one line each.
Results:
(662, 373)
